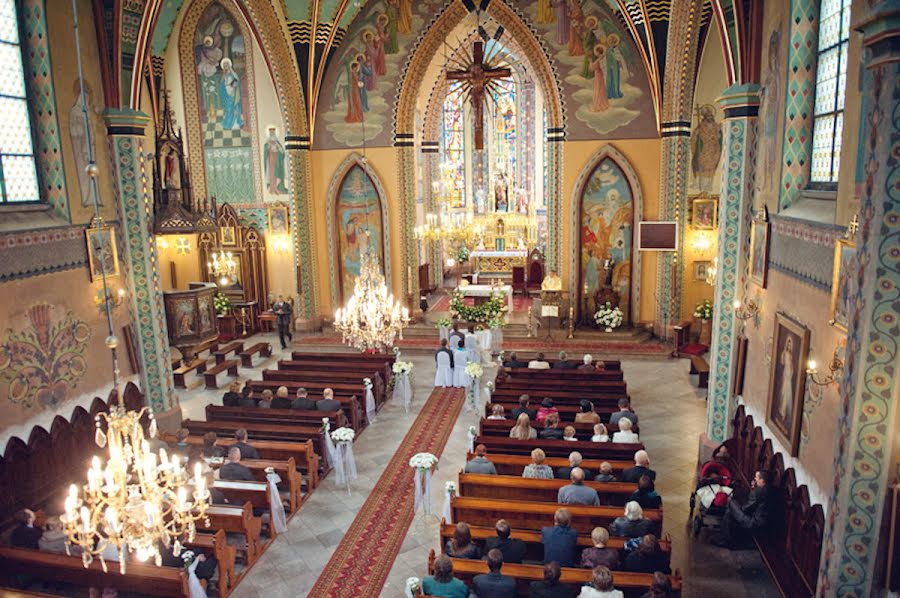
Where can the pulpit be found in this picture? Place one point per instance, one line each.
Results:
(551, 310)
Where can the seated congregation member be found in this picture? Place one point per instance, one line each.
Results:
(216, 496)
(660, 587)
(599, 555)
(444, 348)
(327, 402)
(756, 514)
(633, 524)
(524, 407)
(514, 362)
(647, 558)
(646, 495)
(494, 584)
(246, 400)
(545, 410)
(513, 549)
(560, 540)
(587, 415)
(247, 451)
(480, 464)
(523, 430)
(210, 450)
(577, 493)
(550, 587)
(606, 473)
(601, 434)
(625, 434)
(569, 434)
(181, 445)
(442, 583)
(623, 412)
(233, 397)
(551, 431)
(233, 469)
(587, 363)
(497, 412)
(281, 400)
(641, 467)
(54, 538)
(460, 546)
(601, 585)
(537, 469)
(302, 401)
(25, 534)
(265, 401)
(575, 460)
(563, 363)
(538, 363)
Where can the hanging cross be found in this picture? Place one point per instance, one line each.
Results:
(477, 76)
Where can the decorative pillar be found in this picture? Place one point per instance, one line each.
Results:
(134, 180)
(431, 250)
(409, 266)
(556, 137)
(301, 233)
(869, 386)
(741, 106)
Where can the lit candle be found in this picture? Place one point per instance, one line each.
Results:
(85, 519)
(737, 304)
(811, 365)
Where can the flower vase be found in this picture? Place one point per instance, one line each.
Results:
(705, 332)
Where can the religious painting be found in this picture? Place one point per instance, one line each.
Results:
(759, 251)
(607, 213)
(787, 381)
(704, 213)
(278, 220)
(706, 147)
(227, 236)
(359, 226)
(599, 65)
(206, 310)
(273, 164)
(222, 70)
(103, 257)
(842, 283)
(771, 108)
(701, 270)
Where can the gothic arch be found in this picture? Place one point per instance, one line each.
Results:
(334, 187)
(609, 152)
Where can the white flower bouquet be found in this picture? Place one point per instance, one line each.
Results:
(423, 461)
(413, 585)
(608, 317)
(402, 367)
(187, 558)
(343, 435)
(367, 382)
(474, 370)
(704, 310)
(473, 431)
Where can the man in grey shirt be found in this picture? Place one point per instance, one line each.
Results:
(577, 493)
(624, 411)
(481, 464)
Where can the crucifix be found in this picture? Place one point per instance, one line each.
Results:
(478, 75)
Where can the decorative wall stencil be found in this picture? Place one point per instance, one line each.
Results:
(33, 253)
(42, 361)
(804, 250)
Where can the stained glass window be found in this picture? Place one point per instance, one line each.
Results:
(454, 144)
(831, 81)
(504, 113)
(18, 175)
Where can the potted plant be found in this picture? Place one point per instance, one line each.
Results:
(222, 304)
(704, 313)
(608, 317)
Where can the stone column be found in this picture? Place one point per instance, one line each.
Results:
(408, 293)
(306, 313)
(869, 385)
(741, 106)
(134, 185)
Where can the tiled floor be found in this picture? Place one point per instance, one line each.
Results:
(672, 416)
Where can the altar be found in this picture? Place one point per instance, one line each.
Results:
(494, 262)
(486, 290)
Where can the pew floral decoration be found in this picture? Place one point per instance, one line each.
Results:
(367, 382)
(500, 358)
(413, 586)
(343, 435)
(442, 323)
(423, 463)
(471, 433)
(449, 493)
(402, 367)
(608, 317)
(370, 400)
(187, 557)
(450, 487)
(474, 370)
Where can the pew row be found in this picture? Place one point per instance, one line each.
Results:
(583, 432)
(515, 464)
(604, 451)
(537, 490)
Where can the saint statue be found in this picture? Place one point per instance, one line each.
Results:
(501, 190)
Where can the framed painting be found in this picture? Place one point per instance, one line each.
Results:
(704, 213)
(227, 236)
(278, 220)
(759, 251)
(701, 270)
(842, 284)
(103, 256)
(787, 381)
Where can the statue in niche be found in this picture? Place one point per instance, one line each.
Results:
(501, 193)
(78, 135)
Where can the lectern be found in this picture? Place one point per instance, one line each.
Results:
(550, 308)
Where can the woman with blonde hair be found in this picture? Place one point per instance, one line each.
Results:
(601, 585)
(537, 469)
(625, 434)
(497, 412)
(598, 554)
(601, 434)
(523, 430)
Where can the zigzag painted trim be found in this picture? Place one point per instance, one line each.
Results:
(43, 270)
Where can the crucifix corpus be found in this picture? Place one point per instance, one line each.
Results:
(477, 76)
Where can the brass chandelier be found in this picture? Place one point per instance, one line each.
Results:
(222, 267)
(137, 501)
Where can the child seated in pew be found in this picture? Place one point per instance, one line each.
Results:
(601, 585)
(646, 495)
(601, 434)
(606, 473)
(497, 412)
(265, 402)
(569, 434)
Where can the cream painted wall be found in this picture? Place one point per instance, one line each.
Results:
(187, 265)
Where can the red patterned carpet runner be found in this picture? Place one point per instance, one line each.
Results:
(363, 559)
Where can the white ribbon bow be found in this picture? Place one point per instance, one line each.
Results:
(195, 588)
(347, 470)
(370, 405)
(445, 512)
(276, 507)
(403, 388)
(422, 481)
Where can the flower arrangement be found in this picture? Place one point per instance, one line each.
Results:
(222, 303)
(423, 461)
(500, 357)
(451, 487)
(704, 310)
(490, 386)
(462, 254)
(497, 321)
(474, 370)
(367, 382)
(608, 317)
(343, 435)
(402, 367)
(479, 314)
(187, 557)
(412, 585)
(443, 323)
(473, 431)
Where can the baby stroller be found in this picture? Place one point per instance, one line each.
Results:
(714, 487)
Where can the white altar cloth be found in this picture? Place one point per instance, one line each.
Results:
(508, 253)
(485, 290)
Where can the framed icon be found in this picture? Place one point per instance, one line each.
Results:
(787, 380)
(704, 213)
(103, 257)
(842, 283)
(278, 220)
(227, 236)
(701, 270)
(759, 251)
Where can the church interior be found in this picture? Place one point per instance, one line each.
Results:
(282, 277)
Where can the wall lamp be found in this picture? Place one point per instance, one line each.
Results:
(836, 368)
(745, 312)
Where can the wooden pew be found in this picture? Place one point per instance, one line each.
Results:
(571, 399)
(198, 365)
(536, 490)
(255, 493)
(576, 358)
(583, 432)
(222, 353)
(314, 371)
(140, 578)
(217, 545)
(605, 451)
(544, 376)
(236, 520)
(264, 350)
(631, 584)
(229, 365)
(536, 515)
(274, 416)
(349, 383)
(354, 407)
(534, 550)
(386, 361)
(566, 412)
(286, 470)
(515, 464)
(700, 367)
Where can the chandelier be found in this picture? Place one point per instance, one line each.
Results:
(222, 267)
(372, 319)
(136, 502)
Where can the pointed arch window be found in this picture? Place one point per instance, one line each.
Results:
(454, 143)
